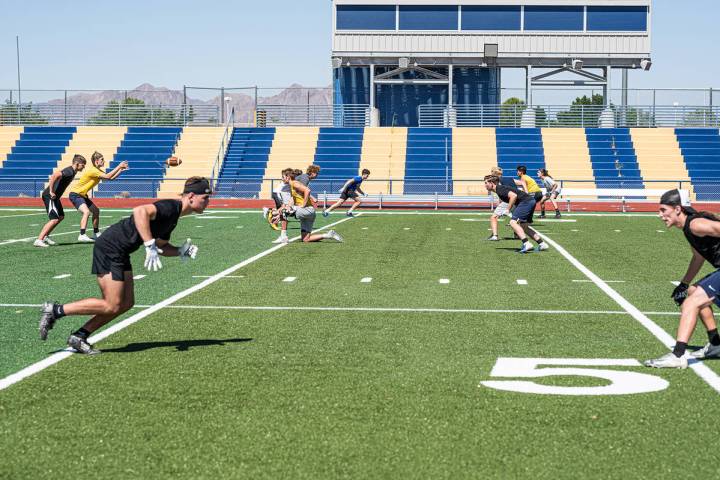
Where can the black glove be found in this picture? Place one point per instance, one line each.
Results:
(680, 293)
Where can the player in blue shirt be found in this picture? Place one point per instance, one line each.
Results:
(350, 190)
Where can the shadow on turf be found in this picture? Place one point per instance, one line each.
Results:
(180, 345)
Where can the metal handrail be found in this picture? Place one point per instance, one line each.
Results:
(224, 142)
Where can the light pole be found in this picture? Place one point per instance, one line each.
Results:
(227, 108)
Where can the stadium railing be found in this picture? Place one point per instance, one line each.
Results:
(313, 115)
(565, 116)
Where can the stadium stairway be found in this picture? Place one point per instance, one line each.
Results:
(700, 148)
(659, 157)
(567, 156)
(383, 153)
(338, 155)
(474, 154)
(8, 137)
(35, 154)
(520, 146)
(428, 163)
(245, 163)
(197, 148)
(292, 147)
(88, 140)
(613, 158)
(146, 150)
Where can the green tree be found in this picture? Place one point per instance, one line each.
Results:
(511, 112)
(701, 118)
(584, 112)
(133, 111)
(14, 114)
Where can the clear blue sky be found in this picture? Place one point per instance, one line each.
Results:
(118, 45)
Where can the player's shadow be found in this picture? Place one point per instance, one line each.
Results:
(179, 345)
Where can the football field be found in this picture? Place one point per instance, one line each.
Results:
(415, 349)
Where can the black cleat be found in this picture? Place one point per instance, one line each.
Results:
(80, 345)
(557, 214)
(47, 319)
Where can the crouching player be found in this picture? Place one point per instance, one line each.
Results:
(522, 215)
(502, 208)
(702, 231)
(305, 211)
(149, 225)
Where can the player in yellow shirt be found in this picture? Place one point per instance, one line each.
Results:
(89, 179)
(528, 184)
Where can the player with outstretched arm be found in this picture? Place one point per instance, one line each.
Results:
(350, 189)
(149, 225)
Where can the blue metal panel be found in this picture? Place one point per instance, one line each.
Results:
(428, 17)
(365, 17)
(617, 19)
(490, 17)
(555, 18)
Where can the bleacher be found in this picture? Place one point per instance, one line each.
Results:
(700, 148)
(146, 150)
(245, 161)
(613, 158)
(32, 160)
(520, 146)
(428, 161)
(338, 154)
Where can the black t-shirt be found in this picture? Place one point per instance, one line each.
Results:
(708, 247)
(124, 236)
(508, 182)
(504, 191)
(68, 173)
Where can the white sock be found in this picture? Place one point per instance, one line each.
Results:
(326, 235)
(283, 233)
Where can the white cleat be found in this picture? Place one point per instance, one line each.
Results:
(542, 246)
(85, 238)
(265, 212)
(526, 247)
(669, 360)
(50, 241)
(281, 240)
(40, 243)
(708, 351)
(335, 236)
(97, 235)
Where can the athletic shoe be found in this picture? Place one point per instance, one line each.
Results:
(350, 214)
(97, 235)
(669, 360)
(281, 240)
(49, 241)
(526, 247)
(40, 243)
(708, 351)
(325, 213)
(335, 236)
(542, 215)
(557, 214)
(493, 238)
(80, 345)
(265, 212)
(542, 246)
(47, 319)
(85, 238)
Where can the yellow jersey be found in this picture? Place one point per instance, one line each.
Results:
(532, 187)
(88, 180)
(298, 198)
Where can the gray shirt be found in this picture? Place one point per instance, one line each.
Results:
(304, 179)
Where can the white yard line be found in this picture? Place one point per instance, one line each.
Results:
(64, 275)
(699, 368)
(606, 281)
(139, 277)
(24, 215)
(226, 276)
(52, 235)
(289, 279)
(57, 357)
(366, 280)
(522, 282)
(372, 309)
(444, 281)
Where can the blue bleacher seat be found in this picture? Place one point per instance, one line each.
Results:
(613, 158)
(428, 161)
(520, 146)
(245, 162)
(700, 148)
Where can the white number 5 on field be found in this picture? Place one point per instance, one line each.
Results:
(621, 383)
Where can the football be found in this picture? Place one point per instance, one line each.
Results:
(173, 162)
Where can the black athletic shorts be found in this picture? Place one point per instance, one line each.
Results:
(53, 208)
(277, 199)
(346, 195)
(107, 259)
(79, 200)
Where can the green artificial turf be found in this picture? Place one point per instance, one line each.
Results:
(353, 387)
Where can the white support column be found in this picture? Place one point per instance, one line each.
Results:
(528, 86)
(450, 86)
(372, 96)
(607, 90)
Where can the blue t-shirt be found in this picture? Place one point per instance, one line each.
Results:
(356, 181)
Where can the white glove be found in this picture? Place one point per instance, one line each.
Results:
(152, 256)
(187, 250)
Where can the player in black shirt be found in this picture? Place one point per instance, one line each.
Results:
(524, 207)
(59, 181)
(149, 225)
(702, 231)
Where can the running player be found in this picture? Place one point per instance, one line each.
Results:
(304, 209)
(702, 231)
(524, 206)
(59, 181)
(350, 190)
(79, 194)
(502, 208)
(552, 191)
(528, 184)
(149, 225)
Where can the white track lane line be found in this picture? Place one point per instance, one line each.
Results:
(57, 357)
(373, 309)
(703, 371)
